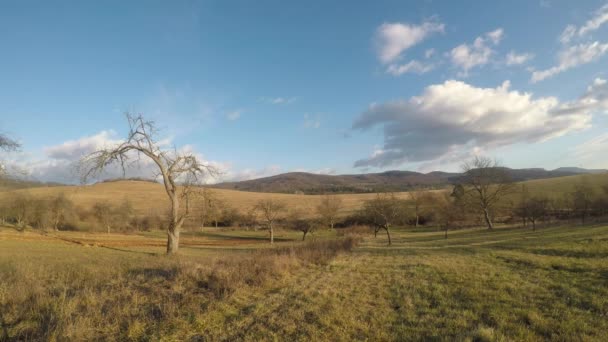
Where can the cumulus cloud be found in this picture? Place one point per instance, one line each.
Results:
(59, 163)
(454, 118)
(468, 56)
(571, 57)
(514, 58)
(392, 39)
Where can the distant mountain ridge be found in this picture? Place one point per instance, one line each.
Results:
(310, 183)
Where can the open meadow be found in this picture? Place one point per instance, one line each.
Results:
(477, 285)
(148, 197)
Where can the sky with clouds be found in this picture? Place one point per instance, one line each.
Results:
(265, 87)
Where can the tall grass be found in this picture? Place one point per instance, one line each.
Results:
(137, 299)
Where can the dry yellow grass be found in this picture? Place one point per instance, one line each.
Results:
(147, 197)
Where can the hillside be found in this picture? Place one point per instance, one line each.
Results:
(148, 197)
(309, 183)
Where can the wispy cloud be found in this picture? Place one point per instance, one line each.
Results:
(278, 100)
(233, 115)
(574, 54)
(393, 39)
(572, 57)
(311, 121)
(514, 58)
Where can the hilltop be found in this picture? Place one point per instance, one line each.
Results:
(396, 181)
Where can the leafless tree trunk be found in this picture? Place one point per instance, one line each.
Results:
(270, 210)
(419, 198)
(328, 209)
(180, 171)
(486, 184)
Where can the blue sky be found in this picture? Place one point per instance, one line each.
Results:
(328, 86)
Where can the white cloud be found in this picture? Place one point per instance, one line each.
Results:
(59, 163)
(411, 66)
(467, 56)
(572, 57)
(567, 34)
(311, 121)
(586, 154)
(600, 17)
(392, 39)
(454, 118)
(278, 100)
(518, 59)
(496, 35)
(247, 174)
(234, 115)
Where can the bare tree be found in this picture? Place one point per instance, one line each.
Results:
(104, 213)
(328, 209)
(270, 210)
(383, 211)
(60, 210)
(419, 198)
(582, 199)
(522, 208)
(206, 205)
(124, 213)
(449, 211)
(6, 144)
(537, 209)
(297, 222)
(181, 172)
(486, 184)
(22, 210)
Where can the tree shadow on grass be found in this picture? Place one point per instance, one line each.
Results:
(129, 250)
(155, 273)
(246, 238)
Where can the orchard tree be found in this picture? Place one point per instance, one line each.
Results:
(297, 222)
(6, 144)
(270, 211)
(581, 199)
(104, 213)
(486, 183)
(449, 211)
(382, 212)
(328, 209)
(419, 198)
(537, 209)
(181, 171)
(60, 210)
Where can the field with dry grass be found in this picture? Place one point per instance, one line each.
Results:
(147, 197)
(477, 285)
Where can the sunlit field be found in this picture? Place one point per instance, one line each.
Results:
(506, 284)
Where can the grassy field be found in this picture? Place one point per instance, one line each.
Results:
(478, 285)
(149, 198)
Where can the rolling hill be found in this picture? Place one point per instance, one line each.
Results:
(148, 197)
(309, 183)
